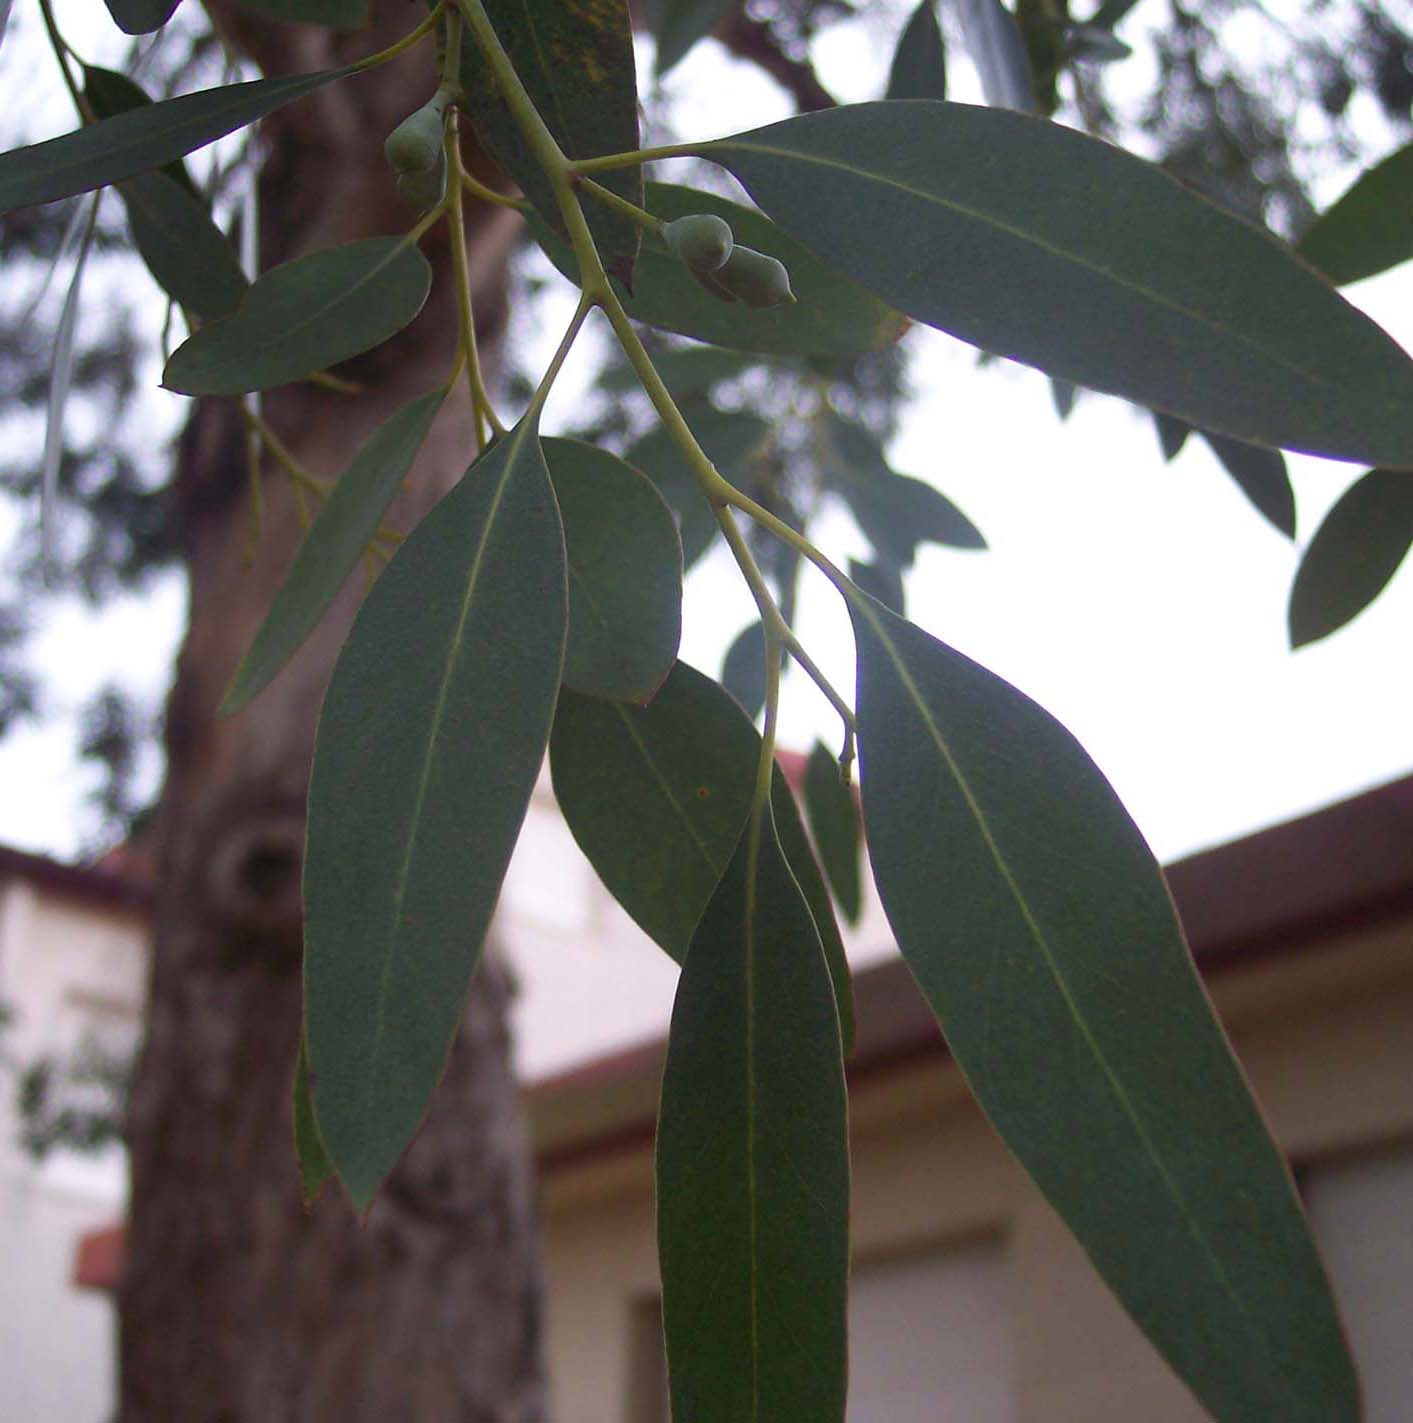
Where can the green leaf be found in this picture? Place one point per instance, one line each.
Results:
(832, 315)
(143, 138)
(575, 58)
(1368, 230)
(679, 24)
(998, 52)
(1354, 553)
(432, 735)
(895, 512)
(919, 68)
(304, 316)
(1036, 242)
(108, 93)
(752, 1161)
(1041, 932)
(883, 581)
(333, 545)
(743, 671)
(315, 1168)
(625, 574)
(188, 255)
(1172, 434)
(730, 438)
(690, 371)
(140, 17)
(332, 14)
(834, 822)
(1062, 396)
(1261, 475)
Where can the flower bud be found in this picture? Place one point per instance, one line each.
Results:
(702, 240)
(759, 281)
(424, 188)
(415, 145)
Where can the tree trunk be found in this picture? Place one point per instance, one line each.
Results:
(237, 1304)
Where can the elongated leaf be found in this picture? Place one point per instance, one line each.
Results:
(1062, 396)
(140, 17)
(895, 512)
(1172, 434)
(730, 438)
(625, 574)
(832, 315)
(315, 1168)
(679, 24)
(883, 581)
(332, 14)
(743, 671)
(1261, 475)
(1041, 932)
(304, 316)
(1354, 553)
(1038, 243)
(834, 820)
(331, 549)
(693, 370)
(1368, 230)
(997, 50)
(187, 254)
(575, 58)
(752, 1161)
(107, 93)
(919, 68)
(431, 738)
(143, 138)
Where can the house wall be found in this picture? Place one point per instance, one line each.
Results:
(1324, 1038)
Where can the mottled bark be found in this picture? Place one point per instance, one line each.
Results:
(236, 1304)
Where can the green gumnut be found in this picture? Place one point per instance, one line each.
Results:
(701, 239)
(424, 188)
(759, 281)
(709, 281)
(414, 145)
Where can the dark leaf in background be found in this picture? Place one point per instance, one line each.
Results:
(919, 68)
(838, 834)
(1261, 475)
(998, 52)
(1172, 434)
(140, 17)
(1368, 230)
(679, 24)
(743, 671)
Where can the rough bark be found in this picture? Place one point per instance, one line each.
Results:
(237, 1304)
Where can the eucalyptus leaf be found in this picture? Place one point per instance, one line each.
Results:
(143, 138)
(838, 834)
(431, 739)
(686, 372)
(679, 24)
(140, 17)
(743, 670)
(1062, 396)
(998, 52)
(332, 14)
(189, 257)
(1172, 434)
(1039, 243)
(832, 316)
(883, 581)
(625, 574)
(1354, 554)
(589, 103)
(1368, 230)
(1042, 933)
(315, 1168)
(304, 316)
(1261, 475)
(335, 541)
(107, 92)
(919, 68)
(752, 1161)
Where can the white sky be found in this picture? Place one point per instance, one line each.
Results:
(1143, 604)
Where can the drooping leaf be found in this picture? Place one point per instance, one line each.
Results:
(919, 68)
(1062, 396)
(332, 14)
(1261, 475)
(998, 52)
(575, 58)
(1367, 231)
(730, 439)
(304, 316)
(679, 24)
(625, 574)
(331, 549)
(1172, 434)
(432, 735)
(140, 17)
(143, 138)
(834, 821)
(107, 93)
(832, 315)
(188, 255)
(1354, 554)
(1042, 934)
(1036, 242)
(883, 581)
(752, 1161)
(315, 1168)
(743, 670)
(895, 512)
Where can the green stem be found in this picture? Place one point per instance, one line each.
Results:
(62, 51)
(635, 156)
(382, 56)
(537, 401)
(631, 211)
(478, 189)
